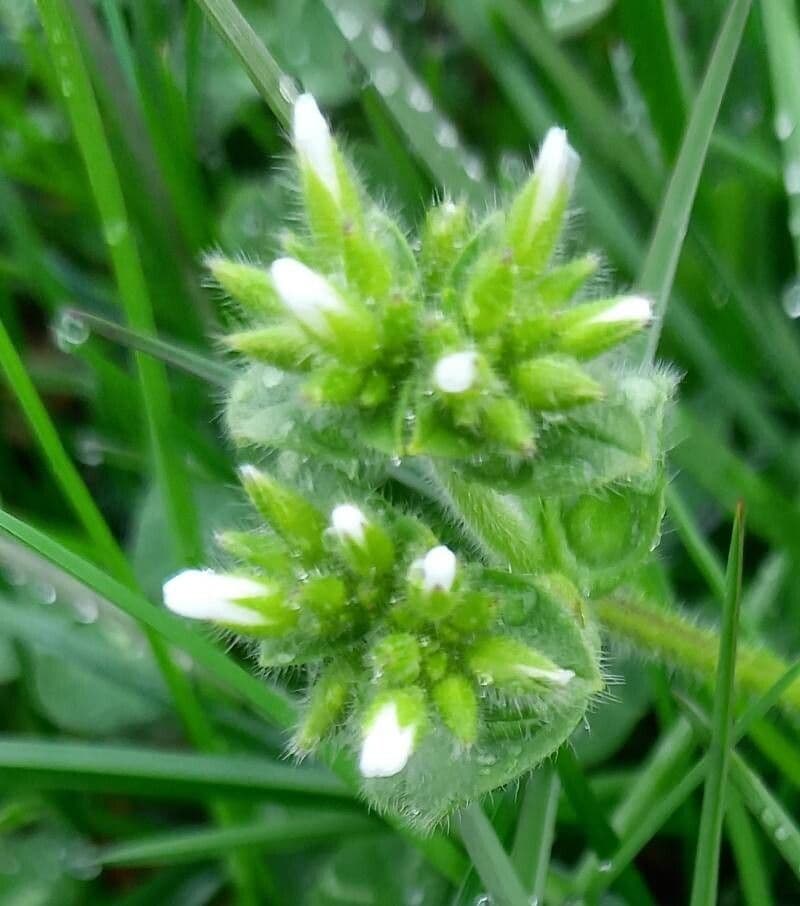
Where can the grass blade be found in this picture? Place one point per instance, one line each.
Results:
(188, 360)
(658, 271)
(55, 764)
(280, 833)
(782, 33)
(87, 125)
(489, 858)
(747, 853)
(533, 840)
(706, 871)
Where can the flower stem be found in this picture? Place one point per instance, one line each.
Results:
(673, 638)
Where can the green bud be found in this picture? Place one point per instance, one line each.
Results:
(375, 391)
(457, 705)
(537, 214)
(325, 599)
(508, 424)
(474, 614)
(561, 283)
(298, 522)
(326, 705)
(266, 552)
(399, 327)
(396, 659)
(248, 284)
(554, 383)
(367, 266)
(432, 591)
(365, 545)
(588, 330)
(489, 295)
(286, 346)
(444, 235)
(333, 385)
(506, 662)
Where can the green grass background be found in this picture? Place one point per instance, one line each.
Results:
(139, 761)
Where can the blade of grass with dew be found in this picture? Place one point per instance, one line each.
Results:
(706, 869)
(489, 858)
(90, 135)
(782, 33)
(535, 831)
(277, 89)
(753, 876)
(171, 353)
(665, 804)
(658, 270)
(58, 764)
(276, 834)
(433, 137)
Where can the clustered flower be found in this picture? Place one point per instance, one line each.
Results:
(348, 598)
(474, 344)
(469, 344)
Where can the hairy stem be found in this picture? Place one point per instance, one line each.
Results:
(673, 638)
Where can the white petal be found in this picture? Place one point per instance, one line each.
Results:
(312, 141)
(439, 569)
(629, 308)
(202, 594)
(387, 746)
(348, 523)
(456, 373)
(556, 167)
(304, 292)
(559, 676)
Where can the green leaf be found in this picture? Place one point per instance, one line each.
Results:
(490, 859)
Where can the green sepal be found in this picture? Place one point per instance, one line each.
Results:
(562, 282)
(326, 704)
(248, 284)
(457, 704)
(285, 345)
(396, 659)
(552, 383)
(489, 294)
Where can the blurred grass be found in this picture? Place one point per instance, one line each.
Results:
(184, 155)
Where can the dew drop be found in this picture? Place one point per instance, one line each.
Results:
(350, 25)
(89, 451)
(271, 377)
(381, 39)
(115, 232)
(790, 299)
(44, 592)
(69, 331)
(446, 134)
(419, 98)
(288, 88)
(781, 833)
(14, 575)
(387, 81)
(791, 177)
(784, 125)
(473, 166)
(86, 611)
(604, 867)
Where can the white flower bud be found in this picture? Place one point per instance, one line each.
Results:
(555, 171)
(557, 676)
(387, 746)
(306, 294)
(202, 594)
(634, 309)
(438, 569)
(313, 142)
(456, 372)
(348, 522)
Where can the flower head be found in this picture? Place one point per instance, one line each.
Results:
(313, 141)
(456, 372)
(556, 167)
(306, 294)
(633, 309)
(387, 744)
(348, 522)
(202, 594)
(438, 569)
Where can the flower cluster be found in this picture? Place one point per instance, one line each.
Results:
(468, 344)
(370, 595)
(460, 380)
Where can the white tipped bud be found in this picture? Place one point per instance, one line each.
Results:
(313, 142)
(457, 372)
(556, 167)
(348, 522)
(306, 294)
(634, 309)
(438, 569)
(202, 594)
(387, 745)
(558, 676)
